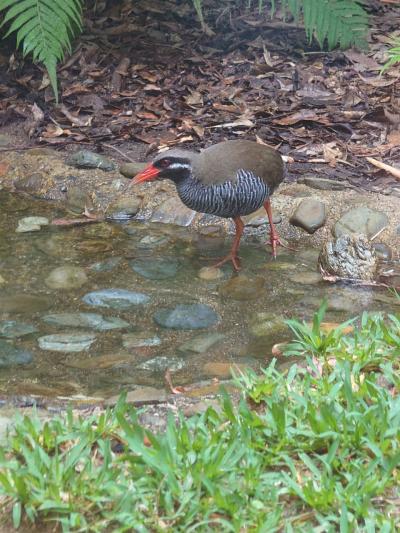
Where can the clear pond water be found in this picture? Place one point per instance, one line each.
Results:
(62, 335)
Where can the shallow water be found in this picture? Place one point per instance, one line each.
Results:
(250, 307)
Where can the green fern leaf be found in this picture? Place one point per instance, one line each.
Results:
(44, 28)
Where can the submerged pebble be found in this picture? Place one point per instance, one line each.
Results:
(242, 288)
(139, 340)
(86, 320)
(11, 355)
(107, 265)
(11, 329)
(155, 269)
(186, 316)
(201, 343)
(210, 273)
(31, 224)
(162, 363)
(23, 303)
(116, 298)
(67, 342)
(66, 277)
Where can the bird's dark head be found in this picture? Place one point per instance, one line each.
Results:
(176, 165)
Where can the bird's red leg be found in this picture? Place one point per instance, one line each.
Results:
(273, 236)
(233, 256)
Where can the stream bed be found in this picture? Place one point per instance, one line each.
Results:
(94, 309)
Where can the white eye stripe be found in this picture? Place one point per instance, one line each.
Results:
(179, 165)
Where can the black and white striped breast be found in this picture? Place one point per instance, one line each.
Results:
(240, 197)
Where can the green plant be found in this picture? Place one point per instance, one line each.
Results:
(321, 452)
(44, 28)
(394, 54)
(333, 23)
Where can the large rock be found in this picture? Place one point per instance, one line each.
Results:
(10, 355)
(309, 215)
(116, 298)
(351, 257)
(361, 221)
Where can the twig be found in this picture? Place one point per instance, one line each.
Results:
(383, 166)
(119, 151)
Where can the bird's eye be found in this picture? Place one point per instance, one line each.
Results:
(164, 163)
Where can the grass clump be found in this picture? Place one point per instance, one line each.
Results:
(316, 448)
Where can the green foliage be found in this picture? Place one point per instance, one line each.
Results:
(44, 28)
(394, 54)
(321, 451)
(342, 23)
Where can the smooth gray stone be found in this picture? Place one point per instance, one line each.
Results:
(323, 184)
(10, 355)
(155, 269)
(87, 159)
(162, 363)
(130, 170)
(186, 316)
(86, 320)
(309, 215)
(116, 298)
(361, 220)
(11, 329)
(173, 211)
(67, 342)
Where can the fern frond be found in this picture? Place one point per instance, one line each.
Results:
(44, 28)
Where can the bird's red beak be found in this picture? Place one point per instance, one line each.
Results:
(148, 174)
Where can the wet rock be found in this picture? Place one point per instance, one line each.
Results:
(140, 340)
(34, 183)
(152, 241)
(309, 256)
(129, 170)
(186, 316)
(124, 208)
(210, 273)
(323, 184)
(173, 211)
(223, 369)
(87, 159)
(23, 303)
(306, 278)
(77, 199)
(141, 396)
(383, 251)
(107, 265)
(163, 363)
(361, 220)
(67, 342)
(266, 324)
(100, 230)
(349, 257)
(242, 288)
(92, 246)
(86, 320)
(27, 224)
(10, 355)
(10, 329)
(259, 217)
(66, 277)
(155, 269)
(201, 343)
(309, 215)
(100, 362)
(116, 298)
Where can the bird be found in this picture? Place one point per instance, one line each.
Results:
(229, 179)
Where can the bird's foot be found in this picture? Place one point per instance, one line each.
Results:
(275, 241)
(230, 257)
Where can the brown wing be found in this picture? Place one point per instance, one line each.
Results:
(220, 162)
